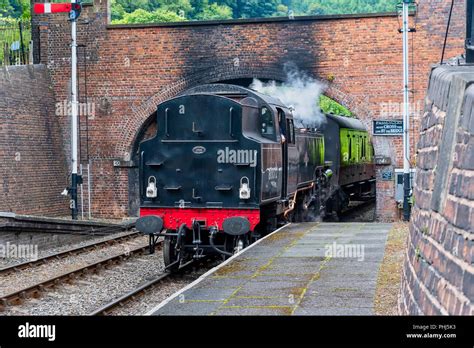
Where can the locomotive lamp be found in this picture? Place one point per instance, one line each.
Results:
(151, 190)
(244, 191)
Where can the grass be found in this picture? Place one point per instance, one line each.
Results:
(389, 278)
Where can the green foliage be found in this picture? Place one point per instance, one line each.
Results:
(143, 16)
(214, 11)
(329, 106)
(11, 8)
(178, 10)
(236, 9)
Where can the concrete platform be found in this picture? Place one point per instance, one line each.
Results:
(301, 269)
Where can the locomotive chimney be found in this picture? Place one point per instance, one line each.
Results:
(469, 31)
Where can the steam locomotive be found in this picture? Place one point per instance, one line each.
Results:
(228, 165)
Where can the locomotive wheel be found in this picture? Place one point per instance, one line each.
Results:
(170, 254)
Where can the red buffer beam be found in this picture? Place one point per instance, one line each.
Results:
(52, 8)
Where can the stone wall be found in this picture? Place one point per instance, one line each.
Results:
(438, 274)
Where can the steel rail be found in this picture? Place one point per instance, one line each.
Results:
(35, 290)
(130, 296)
(63, 254)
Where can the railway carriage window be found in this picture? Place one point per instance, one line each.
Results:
(363, 147)
(282, 126)
(350, 147)
(267, 123)
(354, 148)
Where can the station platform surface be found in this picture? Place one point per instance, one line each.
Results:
(301, 269)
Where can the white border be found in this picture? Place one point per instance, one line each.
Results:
(205, 275)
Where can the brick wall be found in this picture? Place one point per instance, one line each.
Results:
(438, 274)
(32, 162)
(130, 69)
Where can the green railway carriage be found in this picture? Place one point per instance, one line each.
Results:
(351, 155)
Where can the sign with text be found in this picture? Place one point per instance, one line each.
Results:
(388, 127)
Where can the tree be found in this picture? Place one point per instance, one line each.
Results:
(143, 16)
(131, 5)
(5, 8)
(214, 11)
(258, 8)
(219, 9)
(116, 11)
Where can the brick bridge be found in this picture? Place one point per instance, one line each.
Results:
(131, 68)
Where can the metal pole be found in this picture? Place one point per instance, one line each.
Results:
(22, 47)
(82, 196)
(74, 128)
(406, 113)
(89, 188)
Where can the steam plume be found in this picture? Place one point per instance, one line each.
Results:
(300, 92)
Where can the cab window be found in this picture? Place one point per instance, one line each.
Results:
(291, 131)
(267, 123)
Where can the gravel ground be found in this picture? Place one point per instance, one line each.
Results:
(153, 298)
(33, 275)
(92, 291)
(363, 214)
(4, 262)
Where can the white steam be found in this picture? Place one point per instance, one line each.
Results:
(300, 92)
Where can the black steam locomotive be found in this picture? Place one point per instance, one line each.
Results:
(228, 165)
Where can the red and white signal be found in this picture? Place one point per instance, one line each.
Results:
(52, 8)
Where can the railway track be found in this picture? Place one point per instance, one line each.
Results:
(140, 291)
(34, 291)
(349, 213)
(67, 253)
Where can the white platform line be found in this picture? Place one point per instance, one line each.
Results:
(211, 271)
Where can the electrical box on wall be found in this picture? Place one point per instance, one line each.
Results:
(399, 183)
